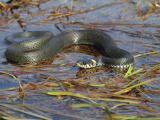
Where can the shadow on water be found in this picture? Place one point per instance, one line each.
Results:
(55, 89)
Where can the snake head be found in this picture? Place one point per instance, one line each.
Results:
(86, 63)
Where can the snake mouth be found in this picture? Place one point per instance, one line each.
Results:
(86, 63)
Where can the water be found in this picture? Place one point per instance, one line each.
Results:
(134, 38)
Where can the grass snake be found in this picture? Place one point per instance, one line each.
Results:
(43, 45)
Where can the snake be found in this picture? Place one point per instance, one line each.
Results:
(42, 45)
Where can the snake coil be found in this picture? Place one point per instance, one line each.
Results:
(43, 45)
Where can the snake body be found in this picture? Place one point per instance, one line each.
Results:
(44, 45)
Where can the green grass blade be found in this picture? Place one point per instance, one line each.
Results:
(108, 111)
(14, 88)
(122, 91)
(81, 96)
(26, 112)
(130, 74)
(141, 76)
(8, 74)
(147, 53)
(85, 105)
(93, 105)
(129, 71)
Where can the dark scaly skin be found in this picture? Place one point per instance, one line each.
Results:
(45, 46)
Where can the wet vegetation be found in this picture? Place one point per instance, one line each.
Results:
(56, 88)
